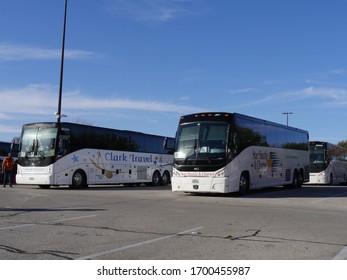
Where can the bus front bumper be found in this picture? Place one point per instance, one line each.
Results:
(319, 178)
(199, 184)
(28, 179)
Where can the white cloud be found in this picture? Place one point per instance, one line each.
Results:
(39, 102)
(332, 93)
(5, 116)
(79, 102)
(153, 10)
(43, 99)
(9, 129)
(242, 90)
(32, 99)
(185, 98)
(325, 97)
(10, 52)
(338, 72)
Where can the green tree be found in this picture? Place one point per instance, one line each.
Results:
(342, 144)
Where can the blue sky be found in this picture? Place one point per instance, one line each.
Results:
(141, 64)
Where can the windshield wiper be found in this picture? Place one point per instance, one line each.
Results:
(186, 158)
(42, 155)
(35, 146)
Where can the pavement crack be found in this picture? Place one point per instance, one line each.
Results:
(273, 239)
(254, 234)
(11, 249)
(111, 229)
(59, 254)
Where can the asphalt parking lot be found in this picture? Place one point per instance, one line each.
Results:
(144, 223)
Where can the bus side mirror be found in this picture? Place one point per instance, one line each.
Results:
(169, 144)
(14, 147)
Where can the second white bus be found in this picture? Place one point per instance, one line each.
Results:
(230, 152)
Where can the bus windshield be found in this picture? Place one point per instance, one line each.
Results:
(318, 160)
(201, 143)
(38, 142)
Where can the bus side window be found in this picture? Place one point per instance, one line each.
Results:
(62, 147)
(236, 142)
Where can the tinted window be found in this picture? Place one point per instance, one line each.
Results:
(258, 133)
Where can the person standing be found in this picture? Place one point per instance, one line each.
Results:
(7, 168)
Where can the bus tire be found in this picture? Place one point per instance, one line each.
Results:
(331, 179)
(156, 178)
(165, 179)
(295, 183)
(79, 179)
(300, 179)
(244, 183)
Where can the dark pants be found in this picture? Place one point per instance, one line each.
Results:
(8, 174)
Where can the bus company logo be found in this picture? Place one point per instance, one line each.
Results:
(133, 158)
(197, 174)
(264, 160)
(108, 161)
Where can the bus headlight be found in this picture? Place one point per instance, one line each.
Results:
(220, 173)
(175, 173)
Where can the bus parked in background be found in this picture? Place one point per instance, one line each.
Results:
(328, 163)
(230, 152)
(8, 147)
(53, 154)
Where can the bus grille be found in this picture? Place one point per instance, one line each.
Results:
(288, 175)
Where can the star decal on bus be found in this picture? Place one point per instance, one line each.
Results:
(74, 158)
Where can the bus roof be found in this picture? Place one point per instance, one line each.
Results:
(229, 117)
(69, 124)
(326, 144)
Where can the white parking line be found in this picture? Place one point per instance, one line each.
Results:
(342, 255)
(17, 226)
(69, 219)
(136, 244)
(50, 222)
(326, 198)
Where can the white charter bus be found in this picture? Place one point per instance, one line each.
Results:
(53, 154)
(230, 152)
(328, 163)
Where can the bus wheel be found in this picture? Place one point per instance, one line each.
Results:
(244, 183)
(165, 179)
(296, 180)
(331, 179)
(156, 178)
(300, 180)
(79, 179)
